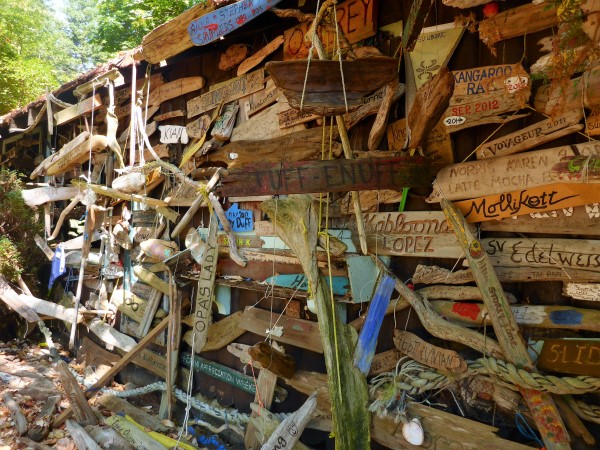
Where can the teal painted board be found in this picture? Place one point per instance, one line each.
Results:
(223, 299)
(299, 281)
(363, 275)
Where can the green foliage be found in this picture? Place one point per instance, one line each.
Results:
(18, 225)
(123, 24)
(34, 52)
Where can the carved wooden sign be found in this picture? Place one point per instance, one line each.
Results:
(482, 80)
(576, 356)
(425, 353)
(437, 144)
(356, 18)
(412, 233)
(198, 127)
(506, 173)
(327, 176)
(582, 291)
(231, 57)
(222, 21)
(572, 220)
(261, 99)
(537, 200)
(206, 285)
(541, 252)
(291, 117)
(173, 134)
(232, 90)
(532, 136)
(370, 105)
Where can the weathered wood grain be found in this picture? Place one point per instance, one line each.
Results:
(256, 58)
(574, 356)
(327, 176)
(426, 353)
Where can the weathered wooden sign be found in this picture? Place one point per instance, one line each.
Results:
(255, 59)
(592, 122)
(414, 24)
(261, 99)
(582, 291)
(327, 176)
(540, 199)
(239, 219)
(79, 109)
(298, 332)
(576, 356)
(198, 127)
(543, 252)
(577, 168)
(173, 134)
(291, 117)
(233, 56)
(175, 89)
(216, 24)
(232, 90)
(482, 80)
(206, 285)
(300, 282)
(356, 18)
(289, 430)
(220, 372)
(426, 353)
(572, 220)
(437, 144)
(539, 133)
(224, 124)
(506, 173)
(370, 105)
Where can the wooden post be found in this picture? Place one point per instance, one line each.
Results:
(264, 393)
(542, 406)
(297, 225)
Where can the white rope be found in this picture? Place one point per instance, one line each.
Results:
(310, 52)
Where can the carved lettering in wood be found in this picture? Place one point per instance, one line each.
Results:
(425, 353)
(576, 356)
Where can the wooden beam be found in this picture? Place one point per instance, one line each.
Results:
(327, 176)
(541, 405)
(12, 299)
(82, 108)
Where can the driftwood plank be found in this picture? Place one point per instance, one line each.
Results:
(426, 353)
(414, 24)
(582, 291)
(265, 388)
(541, 405)
(291, 428)
(278, 363)
(220, 334)
(255, 59)
(327, 176)
(574, 356)
(172, 38)
(9, 296)
(506, 173)
(530, 316)
(83, 107)
(82, 439)
(79, 404)
(583, 220)
(119, 405)
(538, 200)
(118, 367)
(297, 332)
(357, 19)
(15, 413)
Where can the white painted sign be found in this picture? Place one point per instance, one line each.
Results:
(172, 134)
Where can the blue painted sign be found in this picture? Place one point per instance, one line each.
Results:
(239, 219)
(300, 282)
(215, 24)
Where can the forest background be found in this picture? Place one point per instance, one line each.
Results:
(41, 47)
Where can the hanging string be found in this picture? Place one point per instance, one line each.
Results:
(310, 52)
(339, 54)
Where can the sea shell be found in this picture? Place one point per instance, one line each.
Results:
(413, 432)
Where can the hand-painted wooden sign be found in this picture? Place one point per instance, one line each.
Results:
(291, 117)
(482, 80)
(356, 18)
(300, 282)
(288, 433)
(543, 252)
(576, 356)
(534, 316)
(234, 89)
(370, 105)
(220, 372)
(261, 99)
(426, 353)
(198, 127)
(222, 21)
(592, 122)
(239, 219)
(173, 134)
(578, 169)
(582, 291)
(327, 176)
(206, 285)
(572, 220)
(540, 199)
(539, 133)
(224, 125)
(231, 57)
(506, 173)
